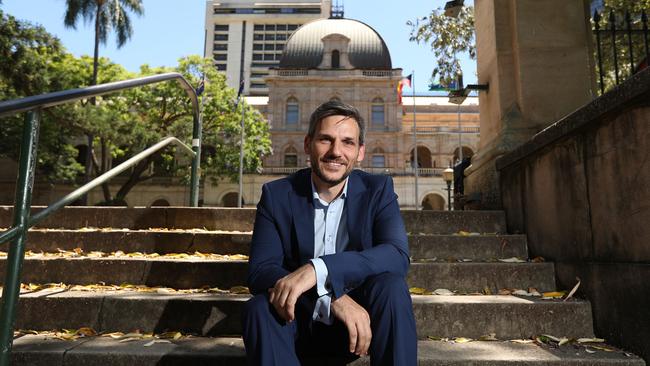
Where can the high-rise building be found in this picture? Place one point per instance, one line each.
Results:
(246, 37)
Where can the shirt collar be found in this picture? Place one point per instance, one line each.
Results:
(316, 197)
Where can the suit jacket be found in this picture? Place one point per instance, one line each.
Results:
(283, 235)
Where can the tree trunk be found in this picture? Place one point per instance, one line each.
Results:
(105, 189)
(134, 179)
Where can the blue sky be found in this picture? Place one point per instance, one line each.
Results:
(171, 29)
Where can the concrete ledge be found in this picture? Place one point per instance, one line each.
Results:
(476, 276)
(184, 274)
(164, 242)
(230, 351)
(468, 247)
(509, 317)
(233, 219)
(632, 90)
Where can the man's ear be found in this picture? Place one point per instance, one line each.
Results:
(306, 145)
(362, 153)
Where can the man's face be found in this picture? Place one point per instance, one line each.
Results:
(334, 149)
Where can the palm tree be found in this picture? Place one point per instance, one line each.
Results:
(107, 15)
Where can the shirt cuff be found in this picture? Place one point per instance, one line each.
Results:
(322, 310)
(322, 275)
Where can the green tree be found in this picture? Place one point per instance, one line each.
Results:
(106, 15)
(31, 57)
(164, 110)
(619, 9)
(448, 38)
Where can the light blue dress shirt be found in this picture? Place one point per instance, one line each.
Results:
(328, 228)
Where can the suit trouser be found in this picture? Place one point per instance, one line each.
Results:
(269, 340)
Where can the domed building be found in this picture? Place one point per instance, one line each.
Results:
(345, 59)
(342, 59)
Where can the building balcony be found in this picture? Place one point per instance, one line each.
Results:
(337, 73)
(422, 172)
(440, 129)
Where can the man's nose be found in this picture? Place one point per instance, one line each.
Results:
(335, 149)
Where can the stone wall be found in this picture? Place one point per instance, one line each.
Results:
(580, 190)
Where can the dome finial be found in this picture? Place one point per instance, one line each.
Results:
(337, 11)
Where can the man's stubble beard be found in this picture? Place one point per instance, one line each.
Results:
(331, 182)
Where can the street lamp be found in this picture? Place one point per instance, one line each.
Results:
(448, 176)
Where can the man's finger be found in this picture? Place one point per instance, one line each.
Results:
(364, 343)
(352, 331)
(290, 306)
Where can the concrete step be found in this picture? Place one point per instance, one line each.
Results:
(185, 273)
(36, 350)
(228, 242)
(468, 247)
(478, 276)
(233, 219)
(509, 317)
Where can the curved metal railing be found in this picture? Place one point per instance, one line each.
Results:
(27, 164)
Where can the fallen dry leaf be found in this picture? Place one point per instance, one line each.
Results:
(590, 340)
(573, 290)
(512, 260)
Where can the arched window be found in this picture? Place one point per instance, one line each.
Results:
(378, 158)
(377, 113)
(290, 157)
(292, 112)
(336, 59)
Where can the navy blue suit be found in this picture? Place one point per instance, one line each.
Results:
(371, 269)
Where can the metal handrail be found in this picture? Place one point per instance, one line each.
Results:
(77, 193)
(22, 220)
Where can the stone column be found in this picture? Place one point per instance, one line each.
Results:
(537, 58)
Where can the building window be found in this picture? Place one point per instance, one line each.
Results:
(336, 62)
(220, 37)
(220, 47)
(258, 85)
(377, 113)
(291, 157)
(378, 159)
(292, 112)
(220, 27)
(258, 27)
(220, 57)
(292, 27)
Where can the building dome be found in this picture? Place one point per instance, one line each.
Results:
(365, 49)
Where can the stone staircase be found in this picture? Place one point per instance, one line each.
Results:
(171, 292)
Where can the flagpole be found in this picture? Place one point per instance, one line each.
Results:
(415, 143)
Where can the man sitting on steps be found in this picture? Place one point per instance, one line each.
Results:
(329, 258)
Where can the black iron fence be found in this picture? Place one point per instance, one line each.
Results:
(621, 40)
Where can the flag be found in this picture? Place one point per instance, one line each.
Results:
(406, 81)
(241, 90)
(199, 89)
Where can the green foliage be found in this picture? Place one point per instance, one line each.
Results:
(125, 123)
(108, 15)
(619, 8)
(447, 37)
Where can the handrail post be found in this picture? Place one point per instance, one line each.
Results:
(24, 186)
(196, 161)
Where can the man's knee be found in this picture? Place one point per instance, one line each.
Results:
(255, 308)
(388, 287)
